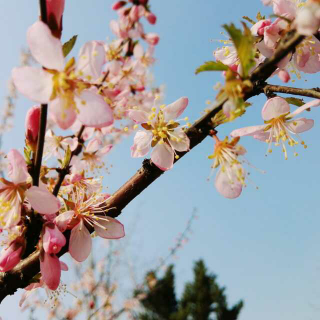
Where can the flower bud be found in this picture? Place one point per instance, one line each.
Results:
(55, 10)
(152, 18)
(32, 126)
(11, 256)
(284, 75)
(152, 38)
(53, 239)
(119, 4)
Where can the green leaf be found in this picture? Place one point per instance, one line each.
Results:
(244, 43)
(295, 101)
(260, 17)
(212, 66)
(67, 158)
(68, 46)
(27, 155)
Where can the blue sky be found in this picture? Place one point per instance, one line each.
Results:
(264, 245)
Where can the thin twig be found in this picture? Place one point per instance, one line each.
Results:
(312, 93)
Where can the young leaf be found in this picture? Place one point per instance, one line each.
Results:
(68, 46)
(244, 43)
(260, 17)
(295, 101)
(212, 66)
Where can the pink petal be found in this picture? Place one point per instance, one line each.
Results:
(63, 266)
(300, 125)
(182, 145)
(142, 144)
(92, 57)
(44, 47)
(51, 271)
(18, 171)
(247, 131)
(112, 228)
(63, 219)
(42, 200)
(313, 103)
(35, 84)
(138, 116)
(95, 112)
(162, 156)
(228, 189)
(274, 108)
(61, 113)
(80, 242)
(175, 109)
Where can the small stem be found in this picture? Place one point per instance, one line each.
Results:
(312, 93)
(63, 172)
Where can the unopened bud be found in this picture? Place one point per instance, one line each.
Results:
(152, 18)
(32, 126)
(119, 4)
(152, 38)
(11, 256)
(55, 10)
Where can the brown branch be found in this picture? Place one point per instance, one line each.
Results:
(312, 93)
(20, 276)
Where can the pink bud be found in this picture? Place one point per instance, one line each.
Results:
(152, 18)
(55, 10)
(11, 256)
(32, 124)
(53, 239)
(134, 14)
(284, 75)
(152, 38)
(119, 4)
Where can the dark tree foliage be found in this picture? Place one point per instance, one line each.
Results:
(202, 299)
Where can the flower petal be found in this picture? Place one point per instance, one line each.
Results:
(111, 228)
(44, 47)
(138, 116)
(142, 144)
(63, 219)
(91, 59)
(229, 188)
(181, 141)
(162, 156)
(313, 103)
(300, 125)
(175, 109)
(61, 113)
(42, 200)
(50, 271)
(17, 170)
(93, 110)
(34, 83)
(274, 108)
(247, 131)
(80, 242)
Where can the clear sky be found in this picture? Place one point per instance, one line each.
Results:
(264, 245)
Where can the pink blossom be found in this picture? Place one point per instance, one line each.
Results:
(68, 94)
(163, 133)
(279, 124)
(53, 239)
(12, 194)
(11, 256)
(284, 75)
(87, 211)
(152, 38)
(230, 178)
(307, 21)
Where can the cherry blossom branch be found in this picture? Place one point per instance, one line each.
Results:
(312, 93)
(21, 275)
(43, 115)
